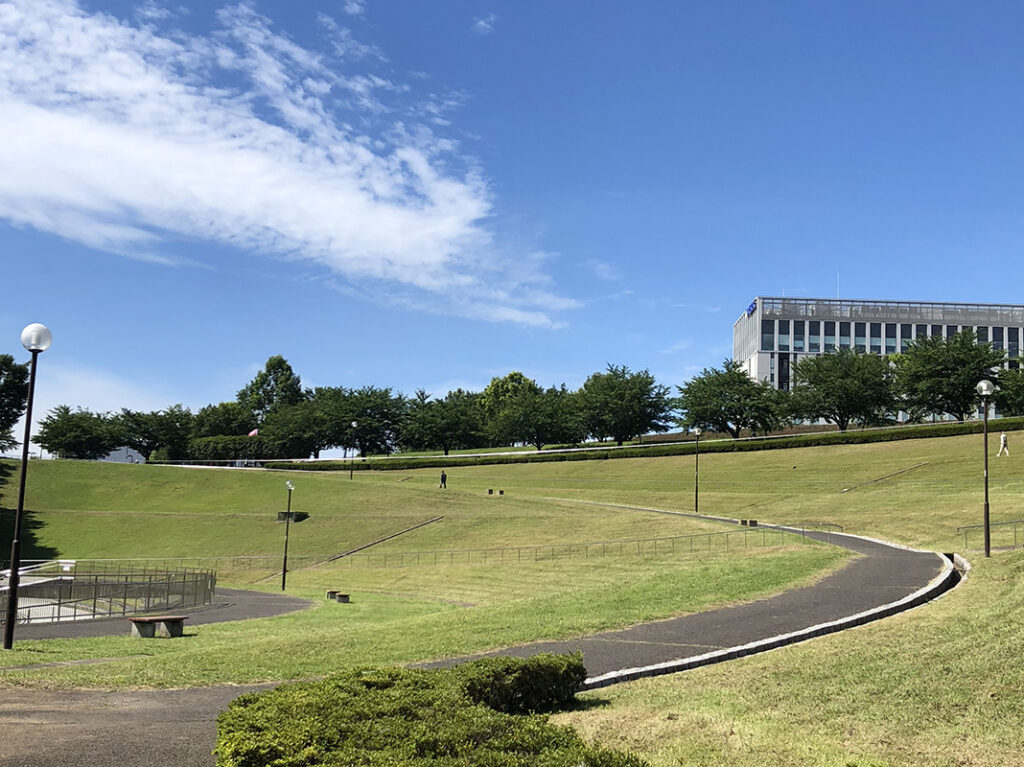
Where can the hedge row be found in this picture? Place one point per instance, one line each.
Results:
(489, 713)
(859, 437)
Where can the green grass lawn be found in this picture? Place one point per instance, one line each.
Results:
(940, 685)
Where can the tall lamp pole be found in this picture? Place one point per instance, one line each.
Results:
(37, 339)
(696, 471)
(351, 461)
(287, 523)
(985, 389)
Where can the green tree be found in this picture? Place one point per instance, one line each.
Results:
(843, 387)
(452, 423)
(274, 387)
(622, 404)
(379, 417)
(78, 433)
(228, 419)
(538, 418)
(1009, 397)
(728, 401)
(13, 396)
(167, 430)
(939, 375)
(501, 390)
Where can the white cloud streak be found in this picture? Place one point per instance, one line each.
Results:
(485, 25)
(123, 139)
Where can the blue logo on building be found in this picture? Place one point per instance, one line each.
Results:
(752, 308)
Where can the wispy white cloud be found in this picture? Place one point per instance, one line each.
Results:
(485, 25)
(122, 138)
(679, 346)
(354, 7)
(603, 270)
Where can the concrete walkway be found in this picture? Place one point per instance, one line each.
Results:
(43, 728)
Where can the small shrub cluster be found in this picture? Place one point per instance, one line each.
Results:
(858, 437)
(488, 713)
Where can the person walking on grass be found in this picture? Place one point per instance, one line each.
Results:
(1003, 448)
(444, 480)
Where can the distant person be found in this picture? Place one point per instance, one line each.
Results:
(444, 480)
(1003, 448)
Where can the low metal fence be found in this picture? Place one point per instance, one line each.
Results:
(1001, 534)
(726, 541)
(81, 590)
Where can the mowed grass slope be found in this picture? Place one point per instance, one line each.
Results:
(398, 615)
(940, 685)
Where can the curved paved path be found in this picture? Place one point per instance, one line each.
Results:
(43, 728)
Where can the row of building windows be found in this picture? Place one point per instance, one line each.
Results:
(779, 373)
(817, 336)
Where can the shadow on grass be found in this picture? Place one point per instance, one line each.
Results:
(31, 524)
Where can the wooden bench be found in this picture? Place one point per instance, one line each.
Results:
(158, 625)
(337, 596)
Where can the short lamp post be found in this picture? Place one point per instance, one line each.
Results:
(352, 460)
(986, 389)
(37, 339)
(696, 471)
(287, 525)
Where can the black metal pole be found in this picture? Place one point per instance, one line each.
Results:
(287, 523)
(12, 588)
(988, 542)
(696, 475)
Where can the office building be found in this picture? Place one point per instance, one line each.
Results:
(774, 333)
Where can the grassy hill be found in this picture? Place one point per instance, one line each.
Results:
(940, 685)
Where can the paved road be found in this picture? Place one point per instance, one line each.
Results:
(100, 729)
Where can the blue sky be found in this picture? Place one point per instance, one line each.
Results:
(415, 194)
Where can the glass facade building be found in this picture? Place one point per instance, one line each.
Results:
(774, 333)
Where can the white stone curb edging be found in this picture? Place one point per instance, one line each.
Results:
(944, 581)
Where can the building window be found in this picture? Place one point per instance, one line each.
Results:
(830, 336)
(814, 330)
(844, 335)
(997, 338)
(950, 331)
(906, 334)
(922, 331)
(982, 334)
(876, 337)
(767, 335)
(798, 335)
(890, 338)
(783, 335)
(936, 331)
(860, 341)
(1014, 342)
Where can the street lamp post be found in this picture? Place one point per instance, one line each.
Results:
(351, 461)
(37, 339)
(985, 389)
(696, 471)
(287, 523)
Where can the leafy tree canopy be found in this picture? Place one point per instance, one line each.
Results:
(78, 433)
(939, 375)
(841, 387)
(622, 404)
(13, 396)
(228, 419)
(274, 387)
(727, 400)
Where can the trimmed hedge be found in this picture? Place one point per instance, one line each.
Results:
(858, 437)
(480, 714)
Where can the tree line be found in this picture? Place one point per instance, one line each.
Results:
(273, 415)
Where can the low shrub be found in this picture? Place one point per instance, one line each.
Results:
(415, 718)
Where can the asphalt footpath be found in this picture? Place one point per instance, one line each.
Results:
(46, 728)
